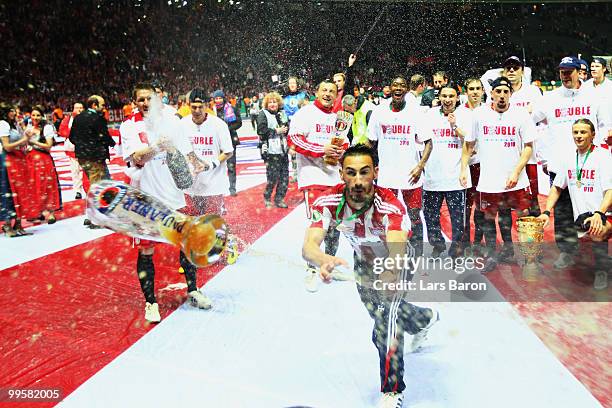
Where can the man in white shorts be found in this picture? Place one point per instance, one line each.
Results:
(146, 141)
(310, 134)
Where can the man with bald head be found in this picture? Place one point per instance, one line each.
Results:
(91, 140)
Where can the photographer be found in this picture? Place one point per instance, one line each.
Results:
(272, 131)
(587, 174)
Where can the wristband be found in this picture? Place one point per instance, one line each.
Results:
(546, 212)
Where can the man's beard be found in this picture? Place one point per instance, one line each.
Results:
(362, 194)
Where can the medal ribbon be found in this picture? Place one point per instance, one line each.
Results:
(352, 216)
(578, 171)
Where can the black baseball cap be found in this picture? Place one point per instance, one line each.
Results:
(501, 81)
(600, 60)
(197, 95)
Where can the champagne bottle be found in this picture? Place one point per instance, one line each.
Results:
(127, 210)
(179, 169)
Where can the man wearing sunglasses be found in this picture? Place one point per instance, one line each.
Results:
(524, 95)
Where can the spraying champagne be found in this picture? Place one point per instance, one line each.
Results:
(124, 209)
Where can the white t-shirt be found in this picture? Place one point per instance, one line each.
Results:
(5, 128)
(596, 179)
(169, 109)
(528, 94)
(208, 141)
(154, 177)
(561, 108)
(603, 93)
(443, 167)
(410, 98)
(12, 134)
(397, 134)
(311, 129)
(527, 97)
(500, 137)
(466, 126)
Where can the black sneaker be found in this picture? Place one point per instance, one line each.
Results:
(437, 251)
(281, 204)
(86, 222)
(490, 264)
(507, 255)
(78, 196)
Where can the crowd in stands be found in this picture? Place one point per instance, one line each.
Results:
(57, 52)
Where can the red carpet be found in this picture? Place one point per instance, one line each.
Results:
(65, 316)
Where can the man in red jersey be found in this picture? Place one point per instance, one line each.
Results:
(368, 215)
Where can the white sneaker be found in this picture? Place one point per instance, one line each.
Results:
(420, 337)
(311, 281)
(564, 260)
(601, 280)
(199, 300)
(391, 400)
(152, 313)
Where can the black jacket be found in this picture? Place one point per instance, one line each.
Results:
(428, 97)
(89, 134)
(263, 130)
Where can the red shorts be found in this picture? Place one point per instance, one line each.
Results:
(490, 203)
(473, 196)
(532, 175)
(412, 198)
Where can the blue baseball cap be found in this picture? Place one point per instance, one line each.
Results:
(583, 65)
(513, 61)
(569, 63)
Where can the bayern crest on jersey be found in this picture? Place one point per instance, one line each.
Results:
(316, 216)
